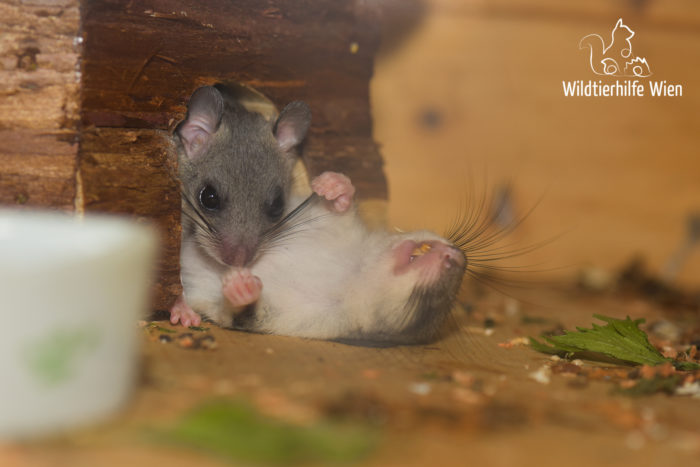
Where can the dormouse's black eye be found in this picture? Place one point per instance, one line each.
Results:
(275, 208)
(209, 198)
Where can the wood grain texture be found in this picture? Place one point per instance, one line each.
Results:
(132, 172)
(37, 168)
(39, 103)
(143, 60)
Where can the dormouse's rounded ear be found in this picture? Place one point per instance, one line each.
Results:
(292, 125)
(204, 112)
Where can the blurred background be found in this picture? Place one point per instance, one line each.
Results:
(473, 95)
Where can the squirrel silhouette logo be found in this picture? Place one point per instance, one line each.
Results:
(616, 58)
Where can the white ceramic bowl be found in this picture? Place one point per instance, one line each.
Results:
(71, 292)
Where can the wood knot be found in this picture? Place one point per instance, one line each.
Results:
(26, 59)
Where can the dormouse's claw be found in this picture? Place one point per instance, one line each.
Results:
(334, 187)
(241, 287)
(182, 313)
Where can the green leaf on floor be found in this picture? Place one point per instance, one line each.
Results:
(159, 328)
(618, 340)
(236, 432)
(646, 387)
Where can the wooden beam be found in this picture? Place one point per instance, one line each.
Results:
(39, 108)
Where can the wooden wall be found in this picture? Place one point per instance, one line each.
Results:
(39, 102)
(475, 94)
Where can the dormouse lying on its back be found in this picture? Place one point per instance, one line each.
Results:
(253, 259)
(328, 277)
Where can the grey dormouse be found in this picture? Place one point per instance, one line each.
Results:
(235, 168)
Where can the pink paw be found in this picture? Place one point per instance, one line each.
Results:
(181, 312)
(334, 187)
(241, 287)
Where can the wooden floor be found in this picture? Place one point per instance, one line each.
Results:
(461, 401)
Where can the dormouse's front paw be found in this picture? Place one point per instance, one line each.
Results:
(241, 287)
(334, 187)
(182, 313)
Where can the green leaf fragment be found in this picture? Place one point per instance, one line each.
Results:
(161, 328)
(645, 387)
(618, 339)
(544, 348)
(236, 432)
(686, 366)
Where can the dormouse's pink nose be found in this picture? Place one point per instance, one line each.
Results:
(236, 255)
(433, 255)
(451, 255)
